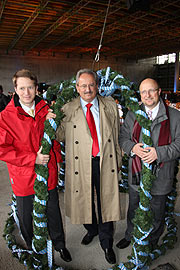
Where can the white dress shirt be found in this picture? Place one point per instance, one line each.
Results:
(154, 111)
(95, 112)
(154, 114)
(26, 108)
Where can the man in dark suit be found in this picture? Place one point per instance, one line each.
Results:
(165, 134)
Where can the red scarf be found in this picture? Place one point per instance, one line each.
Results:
(164, 139)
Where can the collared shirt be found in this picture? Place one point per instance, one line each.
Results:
(154, 110)
(154, 114)
(26, 108)
(95, 112)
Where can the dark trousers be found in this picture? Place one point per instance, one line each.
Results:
(105, 230)
(55, 225)
(158, 207)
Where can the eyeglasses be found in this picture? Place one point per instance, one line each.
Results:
(150, 91)
(85, 86)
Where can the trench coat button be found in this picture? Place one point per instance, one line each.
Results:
(109, 140)
(74, 126)
(110, 156)
(112, 170)
(76, 157)
(76, 172)
(76, 142)
(76, 191)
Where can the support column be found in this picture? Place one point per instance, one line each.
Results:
(176, 74)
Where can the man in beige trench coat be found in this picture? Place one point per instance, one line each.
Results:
(91, 182)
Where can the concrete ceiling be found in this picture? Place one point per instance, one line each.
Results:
(75, 27)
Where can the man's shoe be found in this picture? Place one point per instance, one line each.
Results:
(110, 255)
(65, 255)
(87, 239)
(123, 243)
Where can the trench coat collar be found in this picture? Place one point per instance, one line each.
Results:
(77, 113)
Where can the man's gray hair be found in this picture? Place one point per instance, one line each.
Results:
(87, 71)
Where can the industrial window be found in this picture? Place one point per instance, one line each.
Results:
(166, 58)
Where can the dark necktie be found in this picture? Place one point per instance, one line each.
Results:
(92, 127)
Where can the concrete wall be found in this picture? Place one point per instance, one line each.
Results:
(52, 69)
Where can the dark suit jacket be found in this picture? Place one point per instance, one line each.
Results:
(166, 154)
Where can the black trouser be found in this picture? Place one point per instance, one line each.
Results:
(105, 230)
(158, 207)
(55, 225)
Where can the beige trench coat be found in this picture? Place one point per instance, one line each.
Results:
(75, 132)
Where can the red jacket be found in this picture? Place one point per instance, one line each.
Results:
(20, 140)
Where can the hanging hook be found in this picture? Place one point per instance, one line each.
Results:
(97, 54)
(97, 57)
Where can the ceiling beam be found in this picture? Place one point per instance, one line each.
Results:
(109, 28)
(94, 19)
(59, 22)
(28, 22)
(2, 6)
(139, 35)
(120, 24)
(147, 48)
(145, 28)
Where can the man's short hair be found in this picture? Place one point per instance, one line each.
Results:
(87, 71)
(25, 73)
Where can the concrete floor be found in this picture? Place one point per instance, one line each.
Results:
(84, 258)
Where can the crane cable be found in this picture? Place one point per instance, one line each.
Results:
(96, 59)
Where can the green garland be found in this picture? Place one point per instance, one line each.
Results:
(143, 219)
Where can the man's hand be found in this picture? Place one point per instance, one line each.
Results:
(41, 159)
(50, 114)
(150, 156)
(139, 150)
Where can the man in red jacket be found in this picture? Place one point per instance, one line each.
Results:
(21, 131)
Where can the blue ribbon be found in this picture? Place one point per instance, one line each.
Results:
(46, 136)
(53, 124)
(40, 224)
(42, 202)
(49, 253)
(41, 179)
